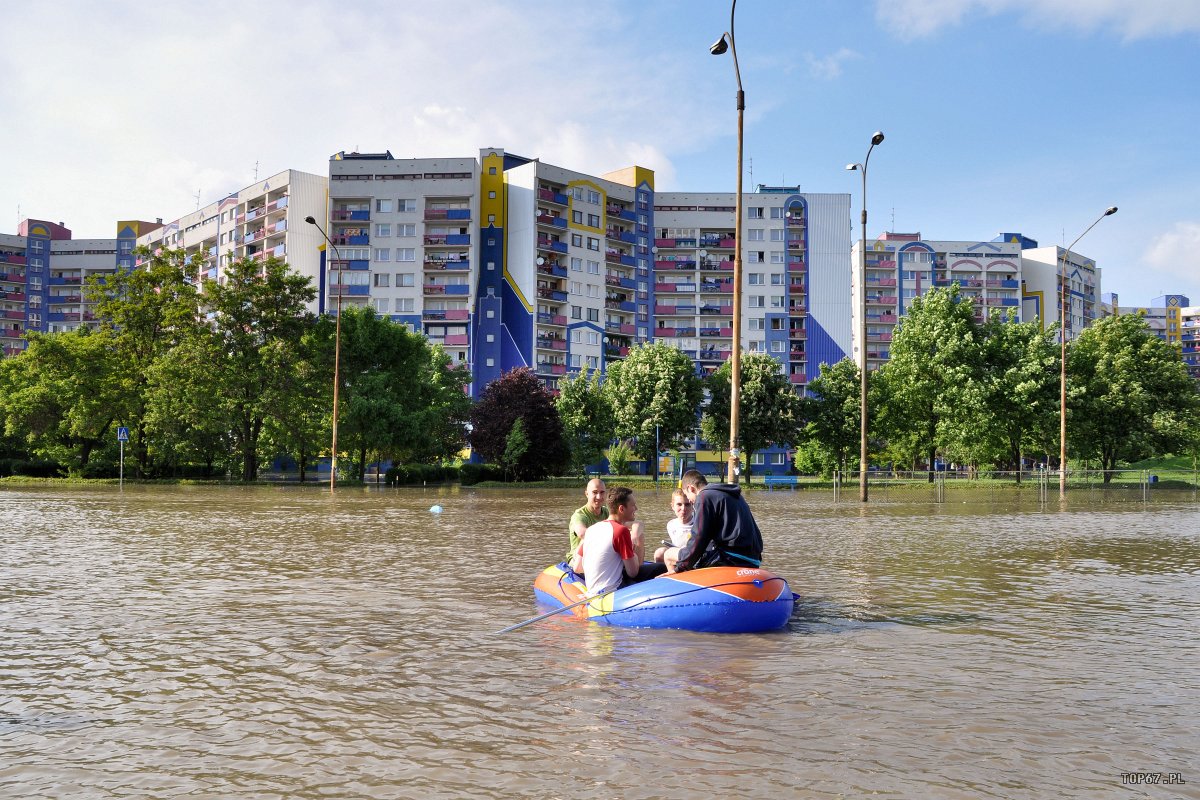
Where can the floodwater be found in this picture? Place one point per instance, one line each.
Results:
(279, 643)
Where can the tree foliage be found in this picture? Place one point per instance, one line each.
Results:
(586, 416)
(654, 386)
(770, 410)
(832, 411)
(1129, 394)
(519, 394)
(933, 375)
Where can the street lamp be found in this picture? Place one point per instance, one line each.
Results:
(337, 357)
(727, 42)
(862, 322)
(1063, 317)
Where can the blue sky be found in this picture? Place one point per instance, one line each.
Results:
(1000, 115)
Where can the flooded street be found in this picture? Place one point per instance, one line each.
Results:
(212, 642)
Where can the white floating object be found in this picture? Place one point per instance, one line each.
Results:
(435, 509)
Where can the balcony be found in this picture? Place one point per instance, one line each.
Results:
(797, 288)
(553, 295)
(451, 314)
(340, 214)
(718, 241)
(882, 300)
(432, 261)
(551, 245)
(11, 258)
(717, 264)
(719, 332)
(447, 239)
(798, 378)
(716, 310)
(551, 196)
(553, 221)
(551, 343)
(551, 319)
(712, 354)
(797, 266)
(556, 270)
(458, 340)
(685, 288)
(682, 263)
(457, 214)
(551, 368)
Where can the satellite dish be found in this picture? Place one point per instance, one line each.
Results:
(540, 261)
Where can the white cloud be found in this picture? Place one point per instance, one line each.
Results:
(1173, 252)
(1128, 19)
(830, 66)
(125, 114)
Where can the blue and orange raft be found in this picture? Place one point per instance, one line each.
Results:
(712, 599)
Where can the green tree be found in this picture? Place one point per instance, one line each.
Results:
(1129, 394)
(769, 412)
(654, 386)
(586, 416)
(1019, 408)
(300, 423)
(258, 318)
(516, 445)
(832, 410)
(62, 397)
(144, 313)
(187, 415)
(400, 398)
(933, 375)
(518, 394)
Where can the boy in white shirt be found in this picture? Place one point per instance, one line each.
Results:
(679, 530)
(613, 548)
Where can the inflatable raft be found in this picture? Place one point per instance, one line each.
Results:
(713, 599)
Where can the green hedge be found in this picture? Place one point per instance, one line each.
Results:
(471, 474)
(409, 474)
(30, 469)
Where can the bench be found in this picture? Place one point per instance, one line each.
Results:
(771, 481)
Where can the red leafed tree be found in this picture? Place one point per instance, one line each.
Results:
(519, 394)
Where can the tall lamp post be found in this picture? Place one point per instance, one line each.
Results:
(1063, 316)
(337, 357)
(727, 42)
(862, 322)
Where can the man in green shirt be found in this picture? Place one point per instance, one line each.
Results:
(586, 516)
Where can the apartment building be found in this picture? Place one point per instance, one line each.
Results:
(1044, 271)
(42, 273)
(796, 303)
(901, 266)
(264, 219)
(1172, 318)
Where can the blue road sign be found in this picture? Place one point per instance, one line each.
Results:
(122, 434)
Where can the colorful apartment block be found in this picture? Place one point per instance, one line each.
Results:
(261, 220)
(901, 266)
(42, 273)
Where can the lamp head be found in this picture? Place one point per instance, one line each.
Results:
(720, 46)
(852, 167)
(310, 220)
(877, 138)
(1110, 211)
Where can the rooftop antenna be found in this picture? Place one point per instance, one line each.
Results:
(197, 199)
(751, 161)
(256, 172)
(893, 219)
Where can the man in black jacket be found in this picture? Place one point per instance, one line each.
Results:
(725, 531)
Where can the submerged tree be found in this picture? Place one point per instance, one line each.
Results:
(519, 395)
(586, 416)
(1130, 395)
(769, 412)
(832, 411)
(655, 387)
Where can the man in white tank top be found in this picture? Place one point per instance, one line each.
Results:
(613, 548)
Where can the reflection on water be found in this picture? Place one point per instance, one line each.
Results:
(225, 642)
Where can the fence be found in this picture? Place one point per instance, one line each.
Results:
(1038, 486)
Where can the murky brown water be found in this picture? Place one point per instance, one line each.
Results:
(277, 643)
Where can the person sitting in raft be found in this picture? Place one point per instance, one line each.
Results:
(726, 533)
(679, 530)
(584, 517)
(613, 548)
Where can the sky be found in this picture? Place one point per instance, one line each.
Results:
(1027, 116)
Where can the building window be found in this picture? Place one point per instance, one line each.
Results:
(491, 362)
(383, 230)
(404, 279)
(593, 220)
(383, 254)
(777, 257)
(576, 312)
(758, 301)
(778, 346)
(576, 240)
(757, 323)
(593, 267)
(778, 234)
(593, 315)
(577, 217)
(576, 264)
(491, 337)
(777, 279)
(754, 235)
(776, 213)
(756, 278)
(405, 304)
(492, 195)
(383, 279)
(406, 204)
(380, 304)
(406, 229)
(593, 243)
(754, 213)
(406, 254)
(383, 206)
